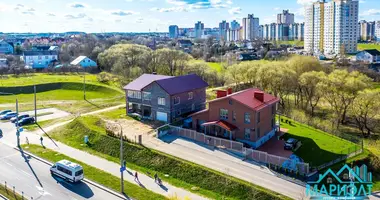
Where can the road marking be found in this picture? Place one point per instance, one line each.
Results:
(26, 173)
(2, 158)
(8, 163)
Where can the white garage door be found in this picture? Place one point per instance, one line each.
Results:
(161, 116)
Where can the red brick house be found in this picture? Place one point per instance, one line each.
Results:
(247, 116)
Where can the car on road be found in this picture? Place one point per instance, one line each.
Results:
(3, 112)
(290, 144)
(20, 117)
(26, 121)
(8, 115)
(1, 133)
(67, 170)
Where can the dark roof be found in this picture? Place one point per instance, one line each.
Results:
(40, 53)
(144, 80)
(181, 84)
(373, 52)
(185, 42)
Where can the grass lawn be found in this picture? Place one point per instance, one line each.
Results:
(95, 174)
(8, 193)
(295, 42)
(206, 182)
(363, 46)
(61, 91)
(115, 114)
(46, 123)
(318, 147)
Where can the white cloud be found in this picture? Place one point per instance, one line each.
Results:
(50, 14)
(123, 13)
(277, 8)
(172, 9)
(371, 12)
(305, 2)
(77, 5)
(78, 16)
(234, 11)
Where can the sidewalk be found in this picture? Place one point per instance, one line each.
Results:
(112, 168)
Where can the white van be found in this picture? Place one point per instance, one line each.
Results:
(68, 170)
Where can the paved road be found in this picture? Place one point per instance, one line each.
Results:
(33, 178)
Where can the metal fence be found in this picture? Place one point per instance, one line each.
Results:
(12, 191)
(251, 154)
(346, 154)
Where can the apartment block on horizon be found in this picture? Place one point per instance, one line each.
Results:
(246, 116)
(250, 28)
(331, 27)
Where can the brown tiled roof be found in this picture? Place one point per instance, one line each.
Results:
(223, 124)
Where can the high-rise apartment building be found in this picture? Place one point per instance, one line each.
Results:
(251, 28)
(173, 31)
(199, 29)
(285, 17)
(367, 30)
(235, 25)
(377, 30)
(331, 27)
(223, 27)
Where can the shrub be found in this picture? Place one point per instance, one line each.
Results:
(104, 77)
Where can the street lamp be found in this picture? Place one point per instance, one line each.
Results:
(122, 163)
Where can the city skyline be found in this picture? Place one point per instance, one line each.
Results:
(145, 15)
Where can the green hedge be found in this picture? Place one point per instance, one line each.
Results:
(178, 169)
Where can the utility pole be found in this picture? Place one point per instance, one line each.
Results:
(17, 131)
(35, 104)
(121, 160)
(84, 85)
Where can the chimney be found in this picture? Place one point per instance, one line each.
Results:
(221, 93)
(229, 91)
(259, 95)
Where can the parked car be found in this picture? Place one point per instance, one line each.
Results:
(20, 117)
(1, 133)
(3, 112)
(8, 115)
(290, 144)
(26, 121)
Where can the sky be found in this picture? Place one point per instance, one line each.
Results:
(146, 15)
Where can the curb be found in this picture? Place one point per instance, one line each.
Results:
(3, 197)
(102, 187)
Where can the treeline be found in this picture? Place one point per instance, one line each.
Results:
(131, 60)
(302, 83)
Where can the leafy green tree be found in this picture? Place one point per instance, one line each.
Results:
(172, 62)
(366, 111)
(309, 82)
(340, 88)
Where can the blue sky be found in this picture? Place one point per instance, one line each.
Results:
(144, 15)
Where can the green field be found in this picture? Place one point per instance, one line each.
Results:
(362, 46)
(293, 43)
(8, 193)
(97, 175)
(216, 66)
(115, 114)
(318, 147)
(61, 91)
(209, 183)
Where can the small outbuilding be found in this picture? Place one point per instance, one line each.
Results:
(84, 62)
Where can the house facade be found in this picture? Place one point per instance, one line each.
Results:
(6, 48)
(247, 116)
(84, 62)
(3, 63)
(165, 98)
(371, 56)
(39, 59)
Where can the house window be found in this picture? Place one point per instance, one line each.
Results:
(273, 123)
(273, 109)
(258, 117)
(190, 95)
(147, 96)
(192, 107)
(345, 176)
(230, 102)
(258, 133)
(176, 100)
(233, 115)
(247, 133)
(46, 57)
(161, 101)
(224, 114)
(39, 57)
(179, 112)
(247, 118)
(134, 94)
(329, 180)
